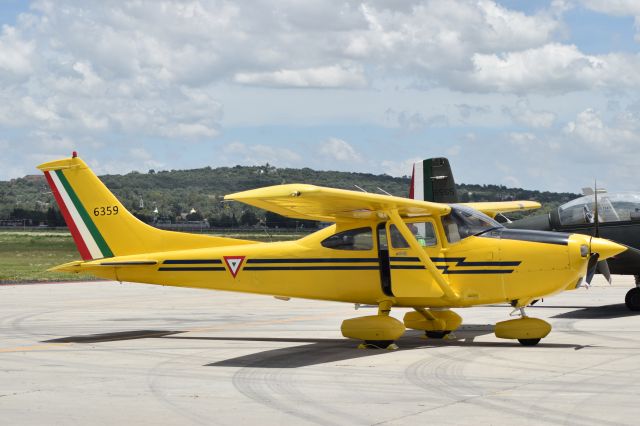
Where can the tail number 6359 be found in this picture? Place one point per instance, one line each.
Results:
(105, 211)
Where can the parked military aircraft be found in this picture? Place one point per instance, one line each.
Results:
(382, 250)
(614, 216)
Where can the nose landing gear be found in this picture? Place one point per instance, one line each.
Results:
(528, 331)
(632, 299)
(436, 324)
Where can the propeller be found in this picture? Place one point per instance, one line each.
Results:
(603, 268)
(591, 267)
(594, 266)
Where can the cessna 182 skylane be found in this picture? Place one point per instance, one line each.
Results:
(382, 250)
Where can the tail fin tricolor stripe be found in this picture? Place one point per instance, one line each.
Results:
(417, 189)
(90, 242)
(75, 232)
(103, 247)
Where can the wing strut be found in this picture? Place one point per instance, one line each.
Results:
(424, 258)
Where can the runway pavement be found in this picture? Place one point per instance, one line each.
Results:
(107, 353)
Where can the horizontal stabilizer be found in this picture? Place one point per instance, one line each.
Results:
(73, 267)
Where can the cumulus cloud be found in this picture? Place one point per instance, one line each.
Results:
(551, 68)
(590, 130)
(340, 150)
(321, 77)
(614, 7)
(399, 168)
(133, 67)
(15, 55)
(413, 121)
(466, 111)
(73, 71)
(522, 113)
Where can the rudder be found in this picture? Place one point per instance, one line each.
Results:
(432, 180)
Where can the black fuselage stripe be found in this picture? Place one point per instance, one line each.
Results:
(330, 268)
(310, 268)
(459, 261)
(192, 269)
(316, 260)
(191, 261)
(477, 271)
(446, 270)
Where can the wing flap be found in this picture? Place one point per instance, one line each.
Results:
(312, 202)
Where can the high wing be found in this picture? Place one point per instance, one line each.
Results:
(312, 202)
(492, 208)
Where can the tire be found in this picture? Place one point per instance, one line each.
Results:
(529, 342)
(437, 334)
(378, 344)
(632, 299)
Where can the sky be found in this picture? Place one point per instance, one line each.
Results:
(534, 94)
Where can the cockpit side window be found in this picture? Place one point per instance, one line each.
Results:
(353, 239)
(612, 207)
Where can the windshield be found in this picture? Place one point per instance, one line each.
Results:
(464, 222)
(613, 207)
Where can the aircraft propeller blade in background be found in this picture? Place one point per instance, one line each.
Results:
(593, 266)
(603, 268)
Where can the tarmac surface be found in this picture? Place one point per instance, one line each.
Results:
(107, 353)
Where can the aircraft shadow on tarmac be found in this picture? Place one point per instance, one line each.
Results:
(618, 310)
(333, 350)
(112, 337)
(310, 351)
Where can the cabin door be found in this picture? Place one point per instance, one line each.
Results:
(407, 275)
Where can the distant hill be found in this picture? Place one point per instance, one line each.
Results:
(177, 193)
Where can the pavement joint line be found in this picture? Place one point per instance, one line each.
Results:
(33, 347)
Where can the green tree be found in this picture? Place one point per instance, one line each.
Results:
(248, 218)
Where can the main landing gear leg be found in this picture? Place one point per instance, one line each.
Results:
(376, 331)
(436, 324)
(528, 331)
(632, 299)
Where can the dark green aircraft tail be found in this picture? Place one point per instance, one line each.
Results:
(432, 180)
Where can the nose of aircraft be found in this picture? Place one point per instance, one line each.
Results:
(605, 248)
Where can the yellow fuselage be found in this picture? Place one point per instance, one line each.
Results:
(480, 270)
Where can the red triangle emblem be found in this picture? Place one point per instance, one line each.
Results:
(234, 263)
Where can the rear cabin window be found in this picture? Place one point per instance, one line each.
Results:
(353, 239)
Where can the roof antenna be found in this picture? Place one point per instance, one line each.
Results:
(361, 189)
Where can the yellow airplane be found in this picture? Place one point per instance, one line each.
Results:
(382, 250)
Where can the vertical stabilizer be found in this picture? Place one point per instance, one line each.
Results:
(432, 180)
(101, 226)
